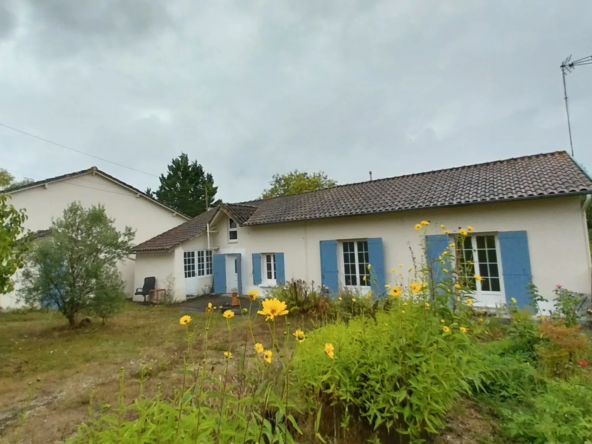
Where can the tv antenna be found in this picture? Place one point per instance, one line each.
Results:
(567, 67)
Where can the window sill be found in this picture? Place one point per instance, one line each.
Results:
(232, 241)
(269, 284)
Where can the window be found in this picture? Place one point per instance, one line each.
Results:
(189, 263)
(270, 267)
(201, 263)
(479, 255)
(355, 263)
(232, 230)
(209, 267)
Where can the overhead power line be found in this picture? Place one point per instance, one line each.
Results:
(75, 150)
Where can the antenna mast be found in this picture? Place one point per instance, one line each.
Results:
(567, 67)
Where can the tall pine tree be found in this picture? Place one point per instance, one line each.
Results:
(183, 188)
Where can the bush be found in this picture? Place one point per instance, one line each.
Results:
(401, 371)
(304, 299)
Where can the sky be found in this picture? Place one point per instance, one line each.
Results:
(253, 88)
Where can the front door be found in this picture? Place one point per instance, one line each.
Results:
(232, 267)
(190, 274)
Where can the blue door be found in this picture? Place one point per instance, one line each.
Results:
(219, 274)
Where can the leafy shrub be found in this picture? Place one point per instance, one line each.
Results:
(524, 332)
(567, 304)
(304, 299)
(558, 355)
(400, 371)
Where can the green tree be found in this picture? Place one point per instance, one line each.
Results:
(13, 242)
(7, 180)
(75, 268)
(184, 186)
(296, 182)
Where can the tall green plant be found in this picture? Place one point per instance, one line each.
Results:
(13, 242)
(75, 268)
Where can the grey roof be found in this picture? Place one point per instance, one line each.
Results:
(529, 177)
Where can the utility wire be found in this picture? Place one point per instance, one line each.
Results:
(75, 150)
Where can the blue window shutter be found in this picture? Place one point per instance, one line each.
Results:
(329, 265)
(219, 274)
(376, 258)
(256, 269)
(239, 273)
(280, 272)
(515, 265)
(435, 245)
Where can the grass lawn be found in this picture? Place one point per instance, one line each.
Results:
(48, 373)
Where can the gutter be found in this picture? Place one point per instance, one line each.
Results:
(586, 203)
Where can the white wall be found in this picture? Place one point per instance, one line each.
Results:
(556, 230)
(44, 204)
(159, 265)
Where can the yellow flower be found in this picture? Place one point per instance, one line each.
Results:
(353, 299)
(369, 266)
(392, 270)
(452, 245)
(253, 294)
(415, 288)
(228, 314)
(445, 270)
(369, 294)
(480, 319)
(446, 231)
(228, 355)
(299, 335)
(209, 308)
(364, 278)
(462, 232)
(457, 286)
(424, 222)
(442, 321)
(329, 350)
(417, 227)
(469, 302)
(185, 320)
(272, 308)
(339, 298)
(259, 347)
(513, 300)
(470, 228)
(410, 268)
(402, 311)
(478, 277)
(404, 303)
(445, 253)
(442, 226)
(446, 329)
(464, 330)
(268, 355)
(395, 291)
(427, 305)
(387, 286)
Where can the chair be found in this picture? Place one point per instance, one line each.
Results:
(149, 284)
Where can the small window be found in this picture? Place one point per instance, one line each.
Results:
(232, 230)
(355, 263)
(478, 254)
(189, 263)
(270, 267)
(209, 268)
(201, 263)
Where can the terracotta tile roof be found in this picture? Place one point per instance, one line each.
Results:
(529, 177)
(82, 173)
(238, 212)
(176, 236)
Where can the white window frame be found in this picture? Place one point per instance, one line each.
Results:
(209, 263)
(189, 264)
(271, 258)
(232, 229)
(361, 284)
(201, 263)
(479, 293)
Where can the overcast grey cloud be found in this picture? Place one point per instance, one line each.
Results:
(252, 88)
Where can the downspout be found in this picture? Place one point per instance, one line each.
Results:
(585, 206)
(587, 202)
(208, 233)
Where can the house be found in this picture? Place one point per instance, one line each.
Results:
(46, 200)
(528, 215)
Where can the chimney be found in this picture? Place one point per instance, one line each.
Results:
(370, 175)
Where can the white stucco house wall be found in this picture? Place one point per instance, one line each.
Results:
(46, 200)
(528, 216)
